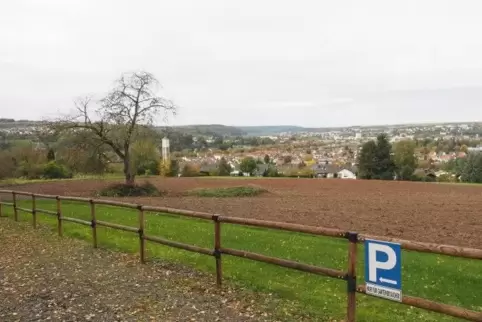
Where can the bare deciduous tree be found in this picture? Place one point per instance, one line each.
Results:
(45, 135)
(117, 122)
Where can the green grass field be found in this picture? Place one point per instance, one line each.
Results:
(440, 278)
(242, 191)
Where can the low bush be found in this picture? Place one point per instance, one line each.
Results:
(245, 191)
(423, 178)
(429, 179)
(150, 167)
(124, 190)
(29, 170)
(53, 170)
(7, 165)
(271, 172)
(190, 170)
(446, 178)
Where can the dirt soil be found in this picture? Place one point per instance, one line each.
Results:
(46, 278)
(440, 213)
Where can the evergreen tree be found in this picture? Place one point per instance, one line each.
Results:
(384, 166)
(472, 171)
(375, 160)
(366, 160)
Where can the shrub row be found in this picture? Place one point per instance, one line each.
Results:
(49, 170)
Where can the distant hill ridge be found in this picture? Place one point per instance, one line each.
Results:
(194, 129)
(208, 129)
(226, 130)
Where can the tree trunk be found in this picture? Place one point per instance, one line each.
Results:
(129, 176)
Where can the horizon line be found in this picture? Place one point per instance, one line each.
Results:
(287, 125)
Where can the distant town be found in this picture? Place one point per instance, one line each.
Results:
(277, 150)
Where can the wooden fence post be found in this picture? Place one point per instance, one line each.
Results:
(351, 276)
(93, 223)
(59, 216)
(142, 244)
(34, 212)
(15, 211)
(217, 250)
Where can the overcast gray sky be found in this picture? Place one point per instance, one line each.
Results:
(312, 63)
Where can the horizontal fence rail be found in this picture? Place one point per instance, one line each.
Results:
(217, 251)
(430, 247)
(285, 263)
(77, 221)
(191, 248)
(116, 226)
(284, 226)
(446, 309)
(46, 212)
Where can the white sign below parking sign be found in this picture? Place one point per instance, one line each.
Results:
(383, 274)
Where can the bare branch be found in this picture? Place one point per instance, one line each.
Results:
(131, 104)
(82, 106)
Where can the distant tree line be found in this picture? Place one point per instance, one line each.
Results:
(447, 146)
(380, 160)
(121, 133)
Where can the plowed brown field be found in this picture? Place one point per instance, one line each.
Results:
(441, 213)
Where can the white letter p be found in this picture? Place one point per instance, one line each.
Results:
(375, 265)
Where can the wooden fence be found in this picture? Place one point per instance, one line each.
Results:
(348, 275)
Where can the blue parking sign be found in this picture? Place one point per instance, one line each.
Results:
(383, 273)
